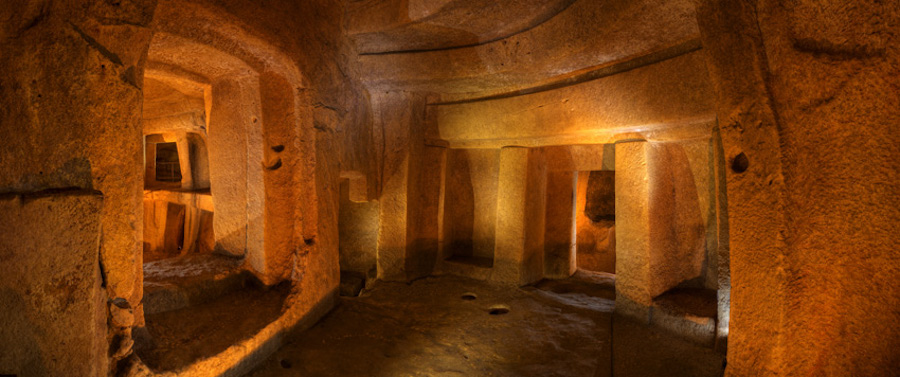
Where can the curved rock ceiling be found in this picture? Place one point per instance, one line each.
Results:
(162, 99)
(203, 60)
(388, 26)
(585, 36)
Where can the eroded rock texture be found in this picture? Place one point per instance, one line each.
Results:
(732, 162)
(52, 303)
(809, 79)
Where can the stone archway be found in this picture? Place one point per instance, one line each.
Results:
(256, 123)
(257, 117)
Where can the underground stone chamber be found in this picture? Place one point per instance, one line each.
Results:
(196, 293)
(453, 187)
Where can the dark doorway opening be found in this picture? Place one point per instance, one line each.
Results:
(168, 167)
(595, 221)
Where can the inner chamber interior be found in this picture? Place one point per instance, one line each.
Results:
(178, 211)
(506, 214)
(184, 182)
(294, 152)
(205, 282)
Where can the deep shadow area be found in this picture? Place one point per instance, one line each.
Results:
(694, 301)
(641, 351)
(483, 262)
(583, 283)
(177, 338)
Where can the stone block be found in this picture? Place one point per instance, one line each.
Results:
(518, 256)
(633, 225)
(358, 232)
(52, 305)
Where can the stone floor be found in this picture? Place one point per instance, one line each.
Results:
(192, 279)
(438, 326)
(198, 305)
(175, 339)
(452, 326)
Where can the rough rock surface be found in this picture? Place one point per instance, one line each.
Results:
(813, 247)
(52, 305)
(587, 34)
(430, 328)
(358, 228)
(756, 137)
(62, 63)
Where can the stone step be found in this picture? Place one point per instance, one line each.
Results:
(352, 283)
(188, 280)
(689, 313)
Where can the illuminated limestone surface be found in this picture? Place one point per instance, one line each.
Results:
(631, 187)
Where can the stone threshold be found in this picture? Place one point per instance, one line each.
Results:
(240, 358)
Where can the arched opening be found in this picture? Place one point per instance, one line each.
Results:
(222, 120)
(178, 210)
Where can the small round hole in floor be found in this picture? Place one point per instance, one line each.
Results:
(498, 310)
(285, 364)
(468, 296)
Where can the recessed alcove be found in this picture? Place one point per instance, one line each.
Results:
(190, 291)
(178, 207)
(168, 167)
(358, 234)
(219, 145)
(470, 206)
(595, 216)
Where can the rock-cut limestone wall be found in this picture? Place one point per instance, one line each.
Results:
(70, 87)
(807, 103)
(71, 76)
(52, 305)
